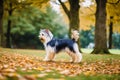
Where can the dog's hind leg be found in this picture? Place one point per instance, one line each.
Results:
(72, 57)
(78, 55)
(70, 54)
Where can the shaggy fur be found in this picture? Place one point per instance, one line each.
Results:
(53, 46)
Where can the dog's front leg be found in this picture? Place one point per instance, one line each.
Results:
(47, 56)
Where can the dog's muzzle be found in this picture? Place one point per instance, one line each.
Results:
(42, 40)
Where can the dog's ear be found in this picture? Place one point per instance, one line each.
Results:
(47, 31)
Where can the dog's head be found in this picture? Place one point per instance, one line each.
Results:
(45, 35)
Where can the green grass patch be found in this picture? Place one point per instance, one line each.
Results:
(65, 57)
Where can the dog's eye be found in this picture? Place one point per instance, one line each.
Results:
(42, 34)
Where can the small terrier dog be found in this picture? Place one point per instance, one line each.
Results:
(53, 46)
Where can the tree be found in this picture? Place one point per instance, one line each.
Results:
(10, 7)
(25, 30)
(113, 18)
(100, 28)
(110, 32)
(73, 15)
(1, 26)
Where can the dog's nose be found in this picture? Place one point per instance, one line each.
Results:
(41, 38)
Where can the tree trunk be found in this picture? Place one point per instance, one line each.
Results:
(1, 24)
(74, 14)
(100, 28)
(74, 17)
(110, 32)
(8, 35)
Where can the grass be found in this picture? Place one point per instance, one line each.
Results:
(54, 75)
(112, 51)
(86, 56)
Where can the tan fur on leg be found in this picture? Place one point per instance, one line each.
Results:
(51, 57)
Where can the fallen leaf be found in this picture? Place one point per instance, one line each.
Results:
(65, 72)
(55, 79)
(8, 70)
(29, 77)
(2, 77)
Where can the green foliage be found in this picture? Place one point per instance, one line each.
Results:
(87, 37)
(116, 40)
(28, 21)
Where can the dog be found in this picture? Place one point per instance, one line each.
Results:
(53, 45)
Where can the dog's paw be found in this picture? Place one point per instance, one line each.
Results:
(71, 61)
(76, 61)
(47, 60)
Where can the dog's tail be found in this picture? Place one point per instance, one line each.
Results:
(75, 35)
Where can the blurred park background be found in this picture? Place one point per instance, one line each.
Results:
(98, 22)
(22, 53)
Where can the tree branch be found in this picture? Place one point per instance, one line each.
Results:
(114, 2)
(65, 8)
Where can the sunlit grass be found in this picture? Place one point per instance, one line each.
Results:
(112, 51)
(62, 56)
(115, 51)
